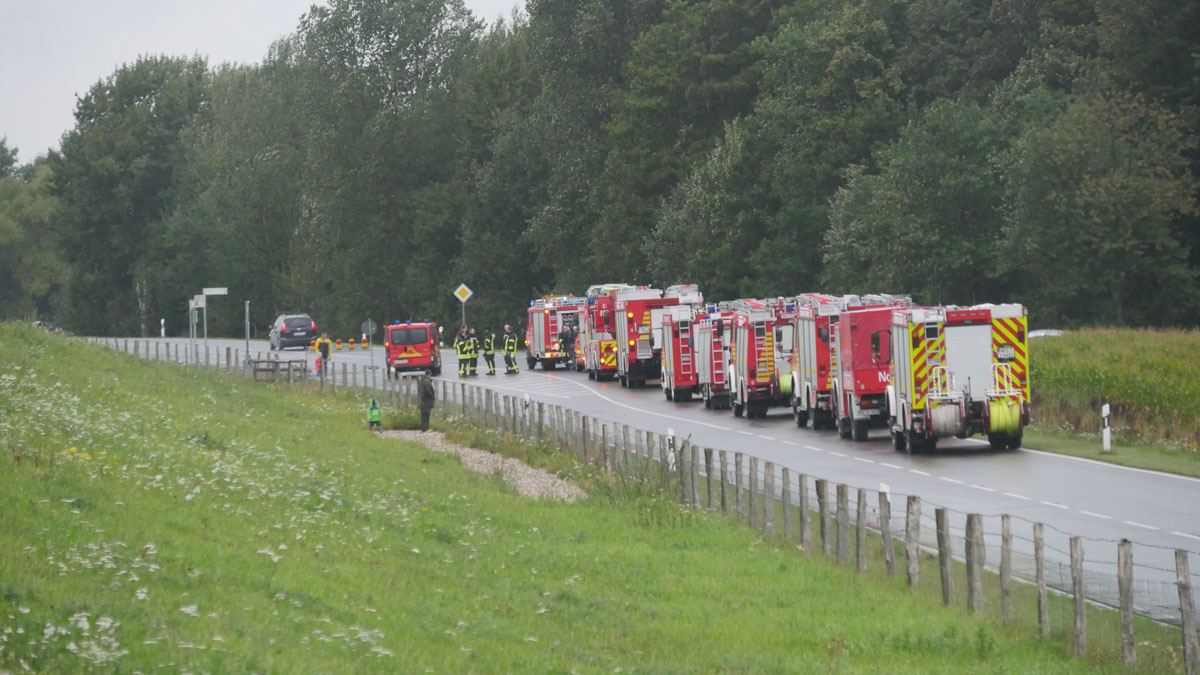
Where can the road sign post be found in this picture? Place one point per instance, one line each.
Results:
(204, 293)
(248, 336)
(1105, 431)
(463, 294)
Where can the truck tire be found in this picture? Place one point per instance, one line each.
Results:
(683, 396)
(998, 441)
(898, 442)
(801, 415)
(531, 362)
(843, 428)
(668, 394)
(1014, 440)
(858, 429)
(738, 409)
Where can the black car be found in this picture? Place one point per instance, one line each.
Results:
(292, 330)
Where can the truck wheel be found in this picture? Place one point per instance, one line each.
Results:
(801, 416)
(997, 441)
(1014, 440)
(684, 396)
(738, 409)
(858, 430)
(624, 380)
(667, 393)
(911, 442)
(898, 443)
(531, 362)
(843, 427)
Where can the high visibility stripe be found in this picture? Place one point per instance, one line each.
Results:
(1004, 334)
(916, 332)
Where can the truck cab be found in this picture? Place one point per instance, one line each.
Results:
(412, 347)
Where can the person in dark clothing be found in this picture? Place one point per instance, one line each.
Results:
(510, 351)
(566, 345)
(489, 349)
(462, 347)
(323, 350)
(472, 352)
(426, 398)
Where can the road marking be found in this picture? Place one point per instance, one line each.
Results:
(813, 448)
(983, 487)
(1017, 496)
(789, 442)
(1141, 525)
(1096, 515)
(864, 459)
(950, 480)
(1185, 534)
(1057, 506)
(766, 438)
(1107, 465)
(745, 433)
(919, 472)
(891, 466)
(835, 453)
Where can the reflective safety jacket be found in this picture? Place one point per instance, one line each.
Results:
(462, 346)
(489, 343)
(510, 343)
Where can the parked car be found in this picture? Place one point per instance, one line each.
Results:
(1045, 332)
(292, 330)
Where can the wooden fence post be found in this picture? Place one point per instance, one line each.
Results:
(626, 455)
(1125, 591)
(1039, 563)
(753, 491)
(587, 430)
(823, 516)
(694, 476)
(724, 480)
(786, 478)
(1079, 636)
(680, 469)
(805, 513)
(912, 540)
(885, 531)
(860, 530)
(541, 420)
(708, 479)
(975, 560)
(768, 506)
(1006, 609)
(1187, 611)
(741, 492)
(942, 520)
(843, 524)
(228, 361)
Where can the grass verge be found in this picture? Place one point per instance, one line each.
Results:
(159, 517)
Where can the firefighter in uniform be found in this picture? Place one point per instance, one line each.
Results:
(462, 347)
(472, 353)
(510, 351)
(489, 349)
(566, 345)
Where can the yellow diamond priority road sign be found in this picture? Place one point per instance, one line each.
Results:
(463, 293)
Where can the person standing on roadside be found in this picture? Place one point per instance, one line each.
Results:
(510, 350)
(472, 353)
(426, 398)
(323, 345)
(489, 349)
(462, 347)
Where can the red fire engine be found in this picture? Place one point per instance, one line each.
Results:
(753, 356)
(412, 346)
(712, 357)
(638, 313)
(680, 375)
(598, 339)
(547, 317)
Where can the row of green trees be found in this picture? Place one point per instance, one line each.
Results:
(1040, 151)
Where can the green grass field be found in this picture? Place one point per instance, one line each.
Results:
(1150, 379)
(159, 518)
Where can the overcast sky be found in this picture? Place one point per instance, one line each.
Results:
(52, 51)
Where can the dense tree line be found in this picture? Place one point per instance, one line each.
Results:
(963, 151)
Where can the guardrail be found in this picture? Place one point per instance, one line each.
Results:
(982, 554)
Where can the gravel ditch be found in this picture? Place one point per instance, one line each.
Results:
(526, 480)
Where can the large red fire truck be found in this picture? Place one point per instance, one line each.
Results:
(812, 367)
(598, 338)
(412, 346)
(753, 357)
(712, 357)
(547, 317)
(638, 313)
(957, 372)
(862, 362)
(680, 375)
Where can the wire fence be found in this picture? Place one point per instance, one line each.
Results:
(1067, 588)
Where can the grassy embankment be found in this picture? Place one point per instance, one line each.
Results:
(160, 517)
(1151, 380)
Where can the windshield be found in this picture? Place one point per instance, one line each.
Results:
(297, 322)
(408, 336)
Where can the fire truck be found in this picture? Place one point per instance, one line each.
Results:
(812, 369)
(712, 357)
(412, 346)
(547, 317)
(956, 372)
(862, 362)
(638, 313)
(598, 339)
(754, 382)
(680, 375)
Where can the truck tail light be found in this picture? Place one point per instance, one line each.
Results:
(629, 315)
(631, 343)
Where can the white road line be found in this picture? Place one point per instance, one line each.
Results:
(864, 459)
(983, 487)
(891, 466)
(950, 480)
(1185, 534)
(789, 442)
(1057, 506)
(813, 448)
(1099, 515)
(919, 472)
(835, 453)
(1141, 525)
(1017, 496)
(745, 433)
(766, 438)
(1108, 465)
